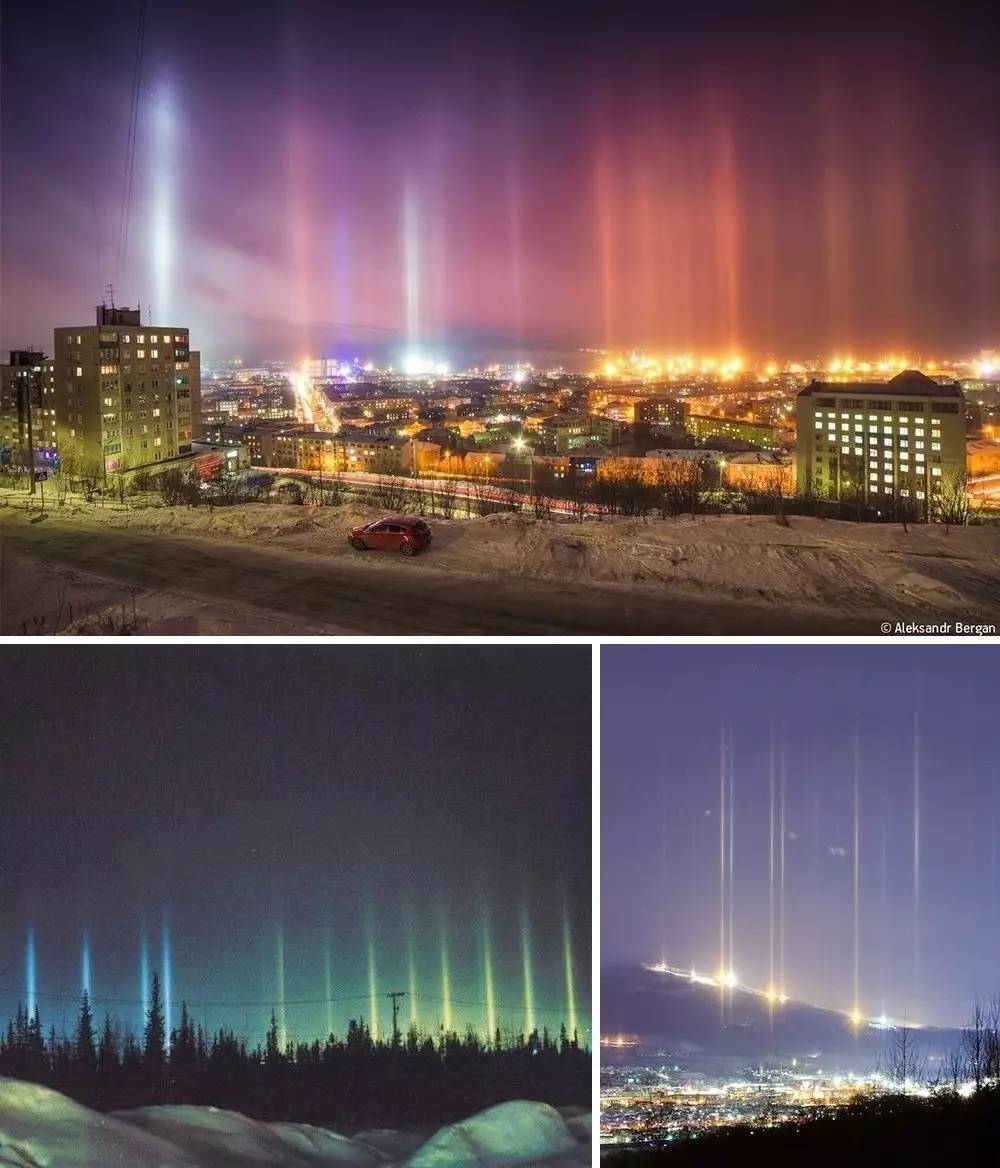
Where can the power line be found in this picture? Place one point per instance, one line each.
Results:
(248, 1005)
(129, 167)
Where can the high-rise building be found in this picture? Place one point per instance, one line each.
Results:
(902, 439)
(126, 394)
(27, 409)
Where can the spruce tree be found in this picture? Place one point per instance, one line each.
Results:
(86, 1058)
(154, 1045)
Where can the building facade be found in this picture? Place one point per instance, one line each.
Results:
(664, 415)
(126, 394)
(336, 453)
(903, 439)
(704, 428)
(27, 411)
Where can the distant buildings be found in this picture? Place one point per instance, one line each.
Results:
(703, 428)
(342, 452)
(27, 410)
(126, 394)
(665, 416)
(565, 432)
(901, 439)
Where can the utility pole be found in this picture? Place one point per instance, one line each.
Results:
(395, 1008)
(25, 402)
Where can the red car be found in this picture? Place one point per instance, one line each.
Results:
(407, 533)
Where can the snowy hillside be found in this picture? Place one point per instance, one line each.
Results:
(40, 1128)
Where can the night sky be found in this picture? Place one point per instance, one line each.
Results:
(356, 804)
(476, 181)
(662, 708)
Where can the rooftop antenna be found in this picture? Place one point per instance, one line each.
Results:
(110, 293)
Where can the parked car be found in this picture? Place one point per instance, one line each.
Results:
(406, 533)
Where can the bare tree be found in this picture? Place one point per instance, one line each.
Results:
(955, 1069)
(88, 474)
(975, 1045)
(121, 482)
(69, 461)
(446, 492)
(904, 1065)
(951, 502)
(390, 492)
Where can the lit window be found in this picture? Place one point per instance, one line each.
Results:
(79, 370)
(858, 450)
(919, 432)
(936, 471)
(154, 353)
(935, 433)
(934, 421)
(935, 446)
(920, 494)
(887, 478)
(157, 441)
(886, 441)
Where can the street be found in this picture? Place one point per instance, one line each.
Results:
(375, 597)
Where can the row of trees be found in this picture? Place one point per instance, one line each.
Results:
(618, 487)
(357, 1080)
(975, 1060)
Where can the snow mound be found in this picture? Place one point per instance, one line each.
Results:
(227, 1139)
(40, 1128)
(510, 1133)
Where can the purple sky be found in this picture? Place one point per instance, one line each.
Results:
(662, 707)
(502, 179)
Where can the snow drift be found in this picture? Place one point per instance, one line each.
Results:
(39, 1128)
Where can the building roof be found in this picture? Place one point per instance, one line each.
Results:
(907, 383)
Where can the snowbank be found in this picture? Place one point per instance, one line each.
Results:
(39, 1128)
(510, 1133)
(226, 1139)
(813, 564)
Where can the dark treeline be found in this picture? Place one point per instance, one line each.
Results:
(349, 1082)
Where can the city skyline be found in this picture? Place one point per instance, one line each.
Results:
(503, 184)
